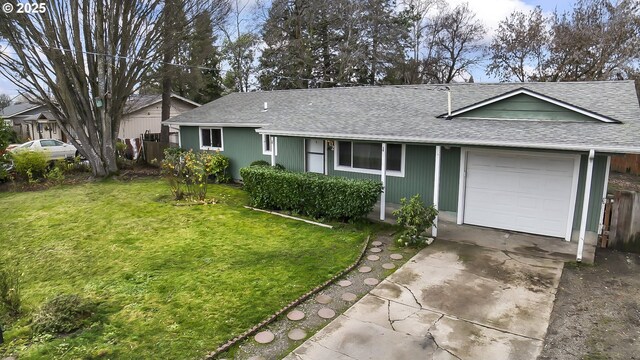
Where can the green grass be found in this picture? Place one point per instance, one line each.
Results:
(171, 281)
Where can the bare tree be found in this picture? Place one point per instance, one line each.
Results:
(5, 100)
(453, 44)
(517, 49)
(83, 59)
(596, 40)
(239, 46)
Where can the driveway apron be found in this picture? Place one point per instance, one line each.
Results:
(451, 301)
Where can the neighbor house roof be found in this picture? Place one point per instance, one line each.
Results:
(411, 114)
(17, 109)
(137, 102)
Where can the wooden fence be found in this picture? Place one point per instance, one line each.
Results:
(621, 223)
(629, 163)
(154, 151)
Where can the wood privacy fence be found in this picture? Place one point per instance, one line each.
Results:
(629, 163)
(154, 151)
(621, 229)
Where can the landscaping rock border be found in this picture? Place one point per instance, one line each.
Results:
(286, 308)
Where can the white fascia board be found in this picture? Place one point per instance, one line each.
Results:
(449, 141)
(537, 96)
(180, 123)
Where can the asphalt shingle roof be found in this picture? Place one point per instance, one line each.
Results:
(12, 110)
(410, 113)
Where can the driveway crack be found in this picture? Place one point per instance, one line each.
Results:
(411, 292)
(430, 335)
(389, 315)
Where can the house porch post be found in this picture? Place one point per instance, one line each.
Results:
(436, 189)
(383, 179)
(585, 205)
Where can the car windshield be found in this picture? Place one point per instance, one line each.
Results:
(26, 145)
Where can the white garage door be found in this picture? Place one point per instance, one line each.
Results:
(519, 191)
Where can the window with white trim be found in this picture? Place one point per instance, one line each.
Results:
(211, 139)
(367, 157)
(266, 144)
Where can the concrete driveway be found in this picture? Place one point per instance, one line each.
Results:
(451, 301)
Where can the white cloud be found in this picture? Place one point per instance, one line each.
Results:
(490, 13)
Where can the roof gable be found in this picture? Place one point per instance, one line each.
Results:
(524, 104)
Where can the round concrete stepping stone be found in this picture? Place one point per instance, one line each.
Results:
(297, 334)
(376, 243)
(349, 297)
(323, 299)
(371, 281)
(375, 250)
(365, 269)
(257, 358)
(344, 283)
(388, 266)
(396, 256)
(373, 257)
(265, 337)
(326, 313)
(295, 315)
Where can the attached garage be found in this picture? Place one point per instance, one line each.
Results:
(522, 191)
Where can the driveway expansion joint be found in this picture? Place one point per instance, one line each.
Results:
(432, 338)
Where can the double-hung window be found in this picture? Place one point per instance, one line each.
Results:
(367, 157)
(266, 144)
(211, 139)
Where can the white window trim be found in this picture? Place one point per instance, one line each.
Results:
(221, 148)
(367, 171)
(264, 142)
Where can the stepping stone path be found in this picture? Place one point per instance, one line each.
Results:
(365, 269)
(326, 313)
(265, 337)
(297, 334)
(371, 281)
(373, 257)
(388, 266)
(323, 299)
(396, 256)
(376, 243)
(344, 283)
(295, 315)
(349, 297)
(375, 250)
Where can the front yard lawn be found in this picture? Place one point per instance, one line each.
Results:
(171, 282)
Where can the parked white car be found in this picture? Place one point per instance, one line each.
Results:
(54, 149)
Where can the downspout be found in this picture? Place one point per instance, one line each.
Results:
(585, 205)
(383, 179)
(273, 149)
(436, 190)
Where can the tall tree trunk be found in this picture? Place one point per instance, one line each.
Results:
(166, 98)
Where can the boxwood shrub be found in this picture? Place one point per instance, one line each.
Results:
(310, 194)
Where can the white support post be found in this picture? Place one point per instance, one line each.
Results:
(383, 179)
(604, 195)
(436, 189)
(585, 205)
(179, 138)
(272, 144)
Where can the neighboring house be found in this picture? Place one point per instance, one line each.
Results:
(143, 115)
(523, 157)
(32, 121)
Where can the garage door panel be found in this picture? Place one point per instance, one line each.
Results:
(519, 191)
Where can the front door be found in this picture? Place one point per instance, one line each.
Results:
(315, 155)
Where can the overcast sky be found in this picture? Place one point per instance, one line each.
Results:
(489, 12)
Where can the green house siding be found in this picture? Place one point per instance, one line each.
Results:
(290, 153)
(418, 177)
(525, 107)
(595, 198)
(241, 145)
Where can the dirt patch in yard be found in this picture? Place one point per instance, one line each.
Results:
(596, 314)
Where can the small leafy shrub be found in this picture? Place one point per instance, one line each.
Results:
(415, 218)
(30, 165)
(10, 301)
(310, 194)
(279, 167)
(260, 163)
(55, 175)
(188, 172)
(5, 167)
(62, 315)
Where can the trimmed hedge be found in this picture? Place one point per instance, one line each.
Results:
(310, 194)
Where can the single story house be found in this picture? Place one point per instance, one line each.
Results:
(143, 115)
(527, 157)
(32, 121)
